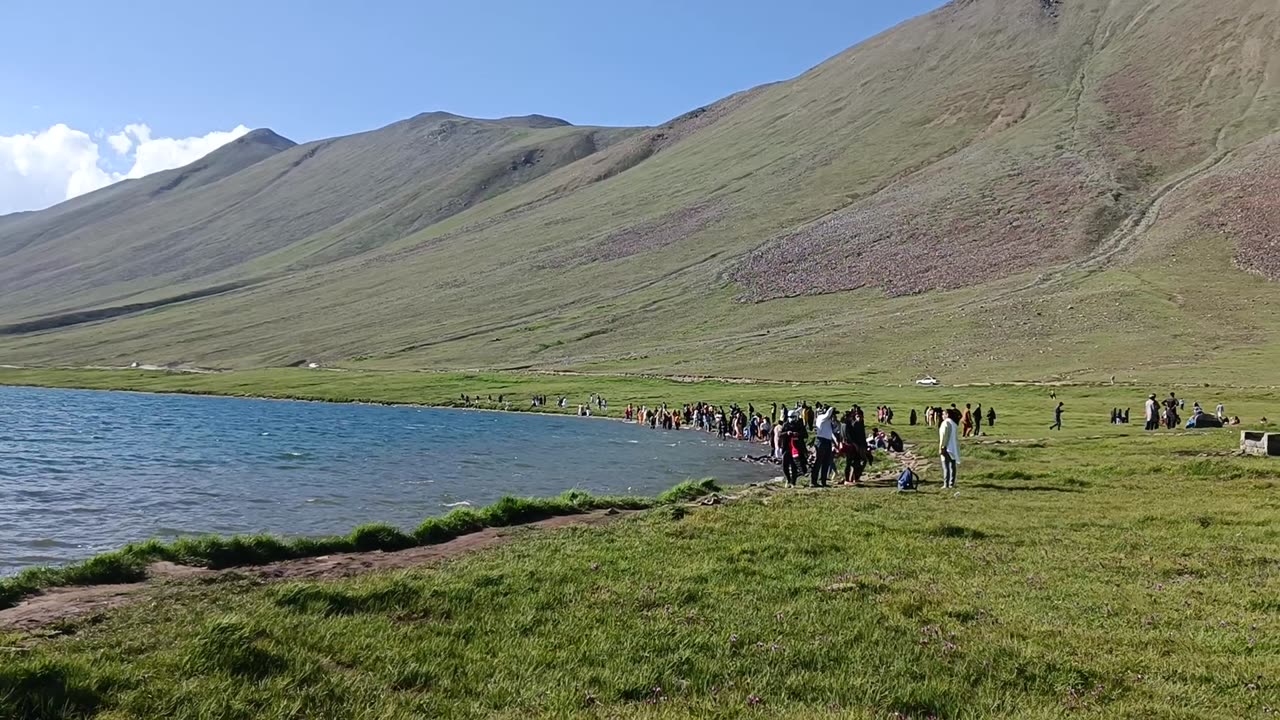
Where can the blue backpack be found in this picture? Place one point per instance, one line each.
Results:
(907, 480)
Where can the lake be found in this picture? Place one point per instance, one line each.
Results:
(82, 472)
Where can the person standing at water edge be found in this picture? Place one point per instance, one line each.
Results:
(1057, 418)
(824, 447)
(793, 448)
(949, 447)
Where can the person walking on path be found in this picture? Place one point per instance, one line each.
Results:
(824, 447)
(966, 421)
(949, 448)
(1057, 418)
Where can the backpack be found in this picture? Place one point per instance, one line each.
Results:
(907, 480)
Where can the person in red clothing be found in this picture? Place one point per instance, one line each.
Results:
(966, 420)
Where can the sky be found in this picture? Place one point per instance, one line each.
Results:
(92, 93)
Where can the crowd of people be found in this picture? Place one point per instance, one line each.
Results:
(823, 444)
(811, 440)
(1167, 414)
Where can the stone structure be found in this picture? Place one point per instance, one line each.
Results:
(1260, 443)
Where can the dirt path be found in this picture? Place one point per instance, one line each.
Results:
(72, 603)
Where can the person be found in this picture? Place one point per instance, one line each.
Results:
(949, 448)
(879, 441)
(1153, 413)
(1171, 419)
(1221, 412)
(991, 417)
(1057, 418)
(793, 448)
(1125, 418)
(1196, 409)
(855, 446)
(913, 418)
(977, 421)
(824, 447)
(895, 442)
(966, 422)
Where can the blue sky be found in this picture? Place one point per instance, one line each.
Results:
(316, 69)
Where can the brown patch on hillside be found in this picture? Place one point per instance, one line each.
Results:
(1248, 209)
(650, 235)
(980, 218)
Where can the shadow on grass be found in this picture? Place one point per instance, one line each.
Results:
(1024, 488)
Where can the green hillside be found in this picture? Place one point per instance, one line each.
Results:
(1005, 189)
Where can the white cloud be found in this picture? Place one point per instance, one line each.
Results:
(121, 143)
(40, 169)
(154, 155)
(44, 168)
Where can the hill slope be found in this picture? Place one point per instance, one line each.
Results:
(1001, 186)
(219, 221)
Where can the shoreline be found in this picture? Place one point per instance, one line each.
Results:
(130, 563)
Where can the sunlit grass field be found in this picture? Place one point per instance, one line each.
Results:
(1097, 572)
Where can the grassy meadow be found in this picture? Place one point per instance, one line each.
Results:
(1097, 572)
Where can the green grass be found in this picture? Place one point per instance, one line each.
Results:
(1098, 572)
(130, 562)
(1121, 579)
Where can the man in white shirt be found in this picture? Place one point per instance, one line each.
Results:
(1153, 413)
(949, 447)
(825, 447)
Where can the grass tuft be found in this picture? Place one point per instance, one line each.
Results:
(47, 688)
(235, 647)
(688, 491)
(380, 536)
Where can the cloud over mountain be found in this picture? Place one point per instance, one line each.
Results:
(43, 168)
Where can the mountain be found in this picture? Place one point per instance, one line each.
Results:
(262, 205)
(999, 188)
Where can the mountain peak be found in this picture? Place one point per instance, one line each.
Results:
(534, 121)
(264, 136)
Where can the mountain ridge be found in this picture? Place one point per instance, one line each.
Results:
(994, 175)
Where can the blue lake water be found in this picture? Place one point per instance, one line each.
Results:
(83, 471)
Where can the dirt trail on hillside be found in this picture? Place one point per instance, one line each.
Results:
(64, 604)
